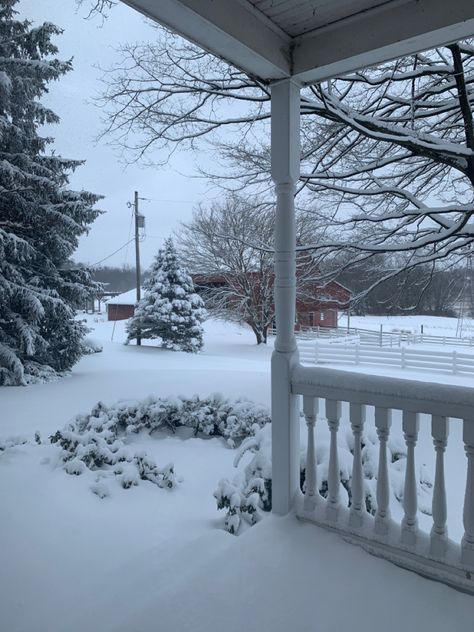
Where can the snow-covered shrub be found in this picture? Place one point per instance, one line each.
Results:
(210, 416)
(91, 345)
(238, 505)
(250, 493)
(11, 442)
(98, 440)
(92, 442)
(36, 373)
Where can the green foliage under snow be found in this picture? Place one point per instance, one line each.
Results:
(170, 310)
(100, 441)
(41, 220)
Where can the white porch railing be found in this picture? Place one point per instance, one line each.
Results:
(402, 542)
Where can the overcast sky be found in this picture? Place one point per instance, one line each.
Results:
(173, 193)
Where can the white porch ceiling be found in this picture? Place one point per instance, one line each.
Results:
(301, 16)
(312, 40)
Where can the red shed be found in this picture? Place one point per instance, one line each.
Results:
(122, 306)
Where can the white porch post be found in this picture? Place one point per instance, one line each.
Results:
(285, 156)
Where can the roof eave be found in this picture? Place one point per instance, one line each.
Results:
(243, 36)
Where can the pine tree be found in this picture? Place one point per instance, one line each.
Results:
(41, 220)
(170, 309)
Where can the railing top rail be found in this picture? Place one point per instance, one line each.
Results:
(388, 392)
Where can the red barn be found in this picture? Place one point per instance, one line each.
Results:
(320, 306)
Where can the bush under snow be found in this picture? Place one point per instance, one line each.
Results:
(250, 493)
(91, 345)
(98, 441)
(11, 442)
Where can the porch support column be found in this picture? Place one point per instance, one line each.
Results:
(285, 157)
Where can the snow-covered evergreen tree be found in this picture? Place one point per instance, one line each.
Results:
(170, 309)
(41, 220)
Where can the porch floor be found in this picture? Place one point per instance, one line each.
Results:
(280, 576)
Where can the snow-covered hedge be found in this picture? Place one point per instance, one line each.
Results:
(11, 442)
(250, 493)
(98, 440)
(94, 442)
(211, 416)
(91, 345)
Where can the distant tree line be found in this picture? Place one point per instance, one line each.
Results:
(115, 278)
(420, 290)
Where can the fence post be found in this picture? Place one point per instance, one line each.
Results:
(455, 361)
(403, 358)
(381, 335)
(316, 353)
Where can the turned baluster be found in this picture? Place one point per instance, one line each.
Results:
(411, 426)
(310, 410)
(383, 421)
(467, 545)
(439, 531)
(357, 511)
(333, 415)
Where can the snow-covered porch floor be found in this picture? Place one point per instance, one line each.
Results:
(281, 575)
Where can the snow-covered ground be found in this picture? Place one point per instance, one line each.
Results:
(432, 325)
(151, 559)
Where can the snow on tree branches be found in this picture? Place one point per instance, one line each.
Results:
(40, 219)
(226, 246)
(387, 152)
(170, 311)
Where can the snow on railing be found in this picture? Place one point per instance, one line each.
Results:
(312, 352)
(402, 542)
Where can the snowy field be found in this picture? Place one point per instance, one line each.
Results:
(432, 325)
(153, 560)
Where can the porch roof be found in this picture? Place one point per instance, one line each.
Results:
(312, 40)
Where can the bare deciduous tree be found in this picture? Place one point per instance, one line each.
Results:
(387, 152)
(225, 245)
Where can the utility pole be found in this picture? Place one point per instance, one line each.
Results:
(137, 253)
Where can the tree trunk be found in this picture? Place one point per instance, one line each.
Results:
(258, 334)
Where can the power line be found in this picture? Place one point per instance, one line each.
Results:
(112, 254)
(169, 201)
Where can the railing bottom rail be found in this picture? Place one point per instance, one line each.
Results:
(389, 548)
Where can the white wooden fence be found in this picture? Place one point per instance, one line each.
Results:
(316, 352)
(443, 340)
(379, 338)
(433, 554)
